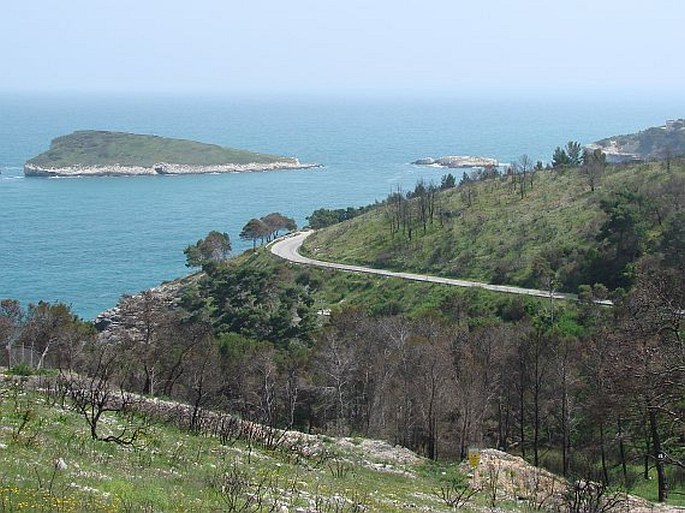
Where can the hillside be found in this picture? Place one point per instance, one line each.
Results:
(660, 142)
(102, 152)
(50, 463)
(430, 368)
(489, 230)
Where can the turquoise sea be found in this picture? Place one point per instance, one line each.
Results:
(86, 241)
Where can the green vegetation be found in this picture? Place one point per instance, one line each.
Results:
(662, 142)
(101, 148)
(50, 463)
(556, 228)
(594, 394)
(323, 217)
(215, 247)
(375, 295)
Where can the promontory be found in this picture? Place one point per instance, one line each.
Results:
(659, 142)
(104, 153)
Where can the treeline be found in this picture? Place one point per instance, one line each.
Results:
(324, 217)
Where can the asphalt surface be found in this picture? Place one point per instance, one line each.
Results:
(288, 248)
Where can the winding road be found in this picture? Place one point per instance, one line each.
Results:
(288, 248)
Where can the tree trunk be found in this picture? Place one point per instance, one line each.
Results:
(564, 432)
(622, 452)
(521, 415)
(605, 469)
(658, 455)
(536, 407)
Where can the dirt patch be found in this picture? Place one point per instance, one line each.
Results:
(507, 477)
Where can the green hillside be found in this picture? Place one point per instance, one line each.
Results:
(659, 142)
(101, 148)
(50, 464)
(489, 230)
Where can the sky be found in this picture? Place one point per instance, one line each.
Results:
(343, 46)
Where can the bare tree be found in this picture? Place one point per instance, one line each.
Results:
(521, 169)
(594, 163)
(651, 360)
(98, 390)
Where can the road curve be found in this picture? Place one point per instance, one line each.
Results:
(288, 248)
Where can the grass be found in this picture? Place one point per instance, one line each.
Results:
(378, 295)
(636, 484)
(501, 237)
(49, 463)
(100, 148)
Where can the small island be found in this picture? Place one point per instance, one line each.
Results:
(105, 153)
(457, 161)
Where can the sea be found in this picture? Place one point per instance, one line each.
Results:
(86, 241)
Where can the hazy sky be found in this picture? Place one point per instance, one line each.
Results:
(359, 46)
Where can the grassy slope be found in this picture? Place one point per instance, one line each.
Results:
(92, 148)
(498, 238)
(171, 470)
(378, 295)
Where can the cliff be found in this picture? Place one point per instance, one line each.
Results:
(102, 153)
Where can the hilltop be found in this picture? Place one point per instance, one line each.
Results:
(662, 142)
(91, 152)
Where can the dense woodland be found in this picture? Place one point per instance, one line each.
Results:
(586, 390)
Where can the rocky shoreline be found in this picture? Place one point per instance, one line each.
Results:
(163, 168)
(457, 161)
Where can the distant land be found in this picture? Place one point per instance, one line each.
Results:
(104, 153)
(456, 161)
(661, 142)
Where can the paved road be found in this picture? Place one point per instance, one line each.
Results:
(288, 248)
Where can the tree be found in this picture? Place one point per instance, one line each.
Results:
(276, 222)
(447, 181)
(97, 391)
(143, 336)
(54, 335)
(672, 243)
(253, 230)
(574, 150)
(523, 166)
(12, 318)
(560, 158)
(622, 236)
(44, 334)
(201, 377)
(594, 163)
(215, 247)
(431, 355)
(650, 361)
(254, 303)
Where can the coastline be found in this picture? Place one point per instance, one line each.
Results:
(164, 168)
